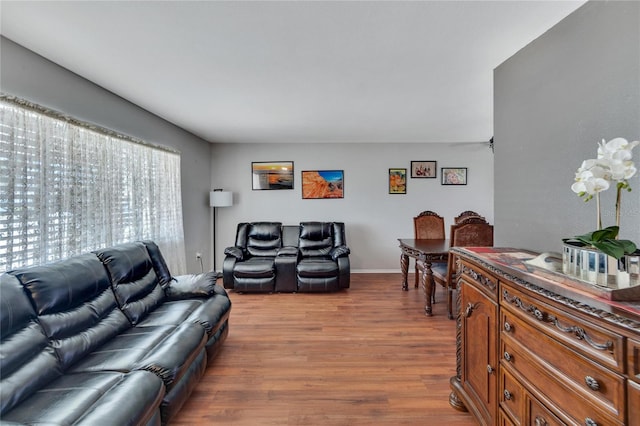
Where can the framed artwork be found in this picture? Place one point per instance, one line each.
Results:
(454, 175)
(322, 184)
(424, 169)
(397, 181)
(272, 175)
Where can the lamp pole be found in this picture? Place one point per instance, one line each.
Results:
(218, 198)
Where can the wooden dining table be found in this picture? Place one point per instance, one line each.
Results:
(427, 251)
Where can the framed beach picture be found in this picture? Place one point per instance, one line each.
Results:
(424, 169)
(318, 184)
(454, 175)
(272, 175)
(397, 181)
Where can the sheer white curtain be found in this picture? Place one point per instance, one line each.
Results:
(68, 188)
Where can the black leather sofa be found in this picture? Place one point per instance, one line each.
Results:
(105, 338)
(270, 257)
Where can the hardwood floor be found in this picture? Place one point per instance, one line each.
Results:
(364, 356)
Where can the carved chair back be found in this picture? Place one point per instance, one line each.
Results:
(466, 214)
(428, 225)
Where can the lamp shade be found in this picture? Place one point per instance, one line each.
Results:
(221, 198)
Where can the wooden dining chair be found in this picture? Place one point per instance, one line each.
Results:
(464, 215)
(470, 232)
(427, 225)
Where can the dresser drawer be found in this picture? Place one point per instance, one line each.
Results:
(511, 396)
(540, 416)
(633, 359)
(602, 386)
(482, 280)
(594, 342)
(633, 402)
(504, 420)
(555, 390)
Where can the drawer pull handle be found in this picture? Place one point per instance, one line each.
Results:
(540, 421)
(507, 327)
(469, 310)
(508, 357)
(592, 383)
(507, 395)
(489, 369)
(590, 422)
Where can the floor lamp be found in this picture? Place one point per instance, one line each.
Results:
(218, 198)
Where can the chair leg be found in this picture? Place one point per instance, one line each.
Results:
(416, 280)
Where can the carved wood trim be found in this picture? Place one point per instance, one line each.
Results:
(543, 316)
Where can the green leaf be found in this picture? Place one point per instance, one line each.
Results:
(609, 247)
(605, 241)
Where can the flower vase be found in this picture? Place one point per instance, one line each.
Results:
(589, 264)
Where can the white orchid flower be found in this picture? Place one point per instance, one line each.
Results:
(614, 164)
(621, 170)
(591, 178)
(590, 186)
(616, 149)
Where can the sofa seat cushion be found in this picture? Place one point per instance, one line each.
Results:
(317, 267)
(99, 398)
(255, 267)
(210, 313)
(166, 351)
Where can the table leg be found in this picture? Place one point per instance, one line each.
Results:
(427, 280)
(404, 267)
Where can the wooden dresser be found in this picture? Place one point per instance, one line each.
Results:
(533, 348)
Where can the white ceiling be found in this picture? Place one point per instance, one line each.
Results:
(293, 71)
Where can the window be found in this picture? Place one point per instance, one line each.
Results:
(68, 188)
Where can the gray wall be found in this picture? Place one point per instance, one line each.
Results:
(30, 76)
(555, 100)
(374, 218)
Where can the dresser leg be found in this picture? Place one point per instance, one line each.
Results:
(454, 401)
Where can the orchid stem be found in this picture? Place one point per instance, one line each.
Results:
(599, 216)
(618, 200)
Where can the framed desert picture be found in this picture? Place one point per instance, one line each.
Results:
(397, 181)
(322, 184)
(272, 175)
(454, 175)
(424, 169)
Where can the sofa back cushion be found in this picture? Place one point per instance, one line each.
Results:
(27, 361)
(261, 239)
(75, 305)
(316, 238)
(159, 264)
(133, 278)
(339, 237)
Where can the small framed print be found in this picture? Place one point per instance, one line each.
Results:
(454, 175)
(271, 175)
(424, 169)
(322, 184)
(397, 181)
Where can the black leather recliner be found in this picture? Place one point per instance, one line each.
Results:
(250, 264)
(324, 260)
(269, 257)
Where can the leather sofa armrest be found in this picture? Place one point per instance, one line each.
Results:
(288, 251)
(339, 251)
(189, 286)
(235, 252)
